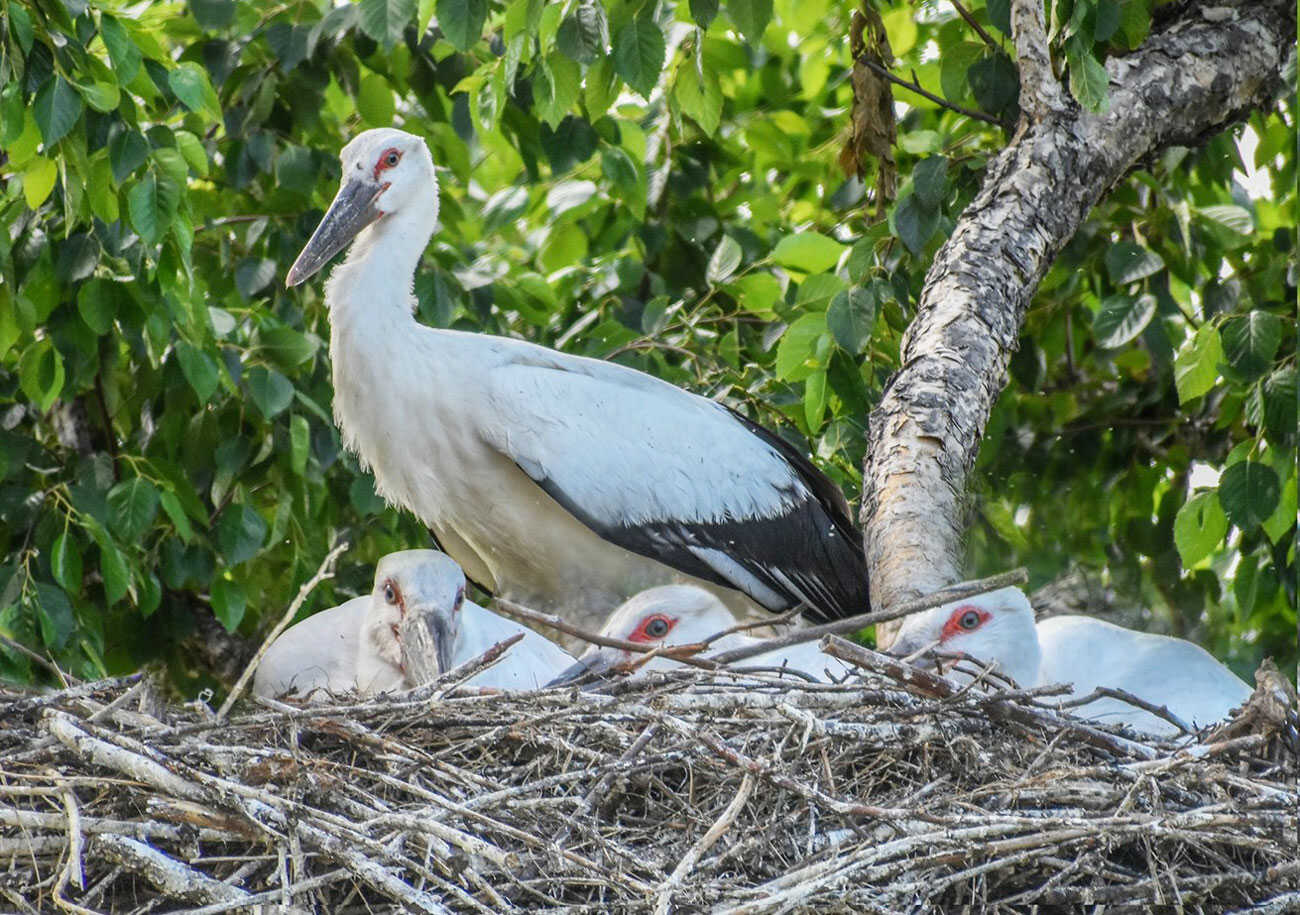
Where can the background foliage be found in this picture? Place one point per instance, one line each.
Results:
(640, 181)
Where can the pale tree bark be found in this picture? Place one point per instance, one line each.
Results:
(1192, 78)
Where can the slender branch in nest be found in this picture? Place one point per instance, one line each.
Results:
(325, 572)
(1108, 692)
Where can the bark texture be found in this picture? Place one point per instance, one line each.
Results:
(1192, 78)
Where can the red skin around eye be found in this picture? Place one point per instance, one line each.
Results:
(640, 635)
(401, 601)
(381, 164)
(954, 628)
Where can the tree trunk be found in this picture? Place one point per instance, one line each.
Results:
(1196, 75)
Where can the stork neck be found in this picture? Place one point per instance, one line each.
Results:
(375, 281)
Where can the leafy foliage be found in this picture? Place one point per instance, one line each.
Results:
(650, 183)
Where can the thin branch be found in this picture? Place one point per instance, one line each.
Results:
(1100, 692)
(1040, 92)
(974, 24)
(854, 623)
(942, 102)
(325, 572)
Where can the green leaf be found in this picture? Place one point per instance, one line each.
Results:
(252, 275)
(112, 567)
(375, 102)
(930, 181)
(900, 26)
(122, 52)
(757, 293)
(1199, 527)
(1281, 391)
(798, 347)
(915, 223)
(228, 602)
(385, 20)
(56, 108)
(1122, 318)
(40, 374)
(65, 562)
(97, 303)
(132, 506)
(750, 17)
(724, 261)
(299, 444)
(817, 291)
(240, 534)
(146, 210)
(271, 391)
(461, 21)
(190, 83)
(1249, 492)
(584, 33)
(851, 318)
(102, 96)
(1284, 516)
(1107, 20)
(617, 166)
(1196, 367)
(199, 369)
(1089, 82)
(1231, 217)
(176, 512)
(54, 611)
(809, 252)
(814, 399)
(287, 347)
(213, 15)
(1250, 342)
(565, 247)
(704, 12)
(639, 54)
(1128, 263)
(38, 180)
(102, 190)
(699, 96)
(191, 148)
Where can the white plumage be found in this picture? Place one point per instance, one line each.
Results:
(1085, 653)
(562, 482)
(357, 646)
(672, 615)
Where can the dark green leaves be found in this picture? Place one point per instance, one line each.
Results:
(213, 15)
(253, 275)
(270, 390)
(384, 20)
(930, 181)
(122, 51)
(240, 534)
(1127, 263)
(228, 602)
(56, 109)
(190, 83)
(639, 54)
(1122, 318)
(1088, 79)
(132, 505)
(461, 21)
(65, 562)
(151, 204)
(851, 318)
(1250, 342)
(54, 612)
(584, 33)
(915, 223)
(199, 368)
(40, 374)
(750, 17)
(1249, 492)
(704, 12)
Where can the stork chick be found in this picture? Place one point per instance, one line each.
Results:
(1085, 653)
(672, 615)
(562, 482)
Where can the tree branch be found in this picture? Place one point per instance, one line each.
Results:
(1188, 81)
(1040, 92)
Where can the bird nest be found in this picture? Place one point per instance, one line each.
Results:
(681, 791)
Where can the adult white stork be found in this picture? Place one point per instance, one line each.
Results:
(559, 481)
(671, 615)
(358, 646)
(998, 627)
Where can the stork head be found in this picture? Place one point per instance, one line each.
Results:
(667, 615)
(997, 627)
(412, 587)
(387, 173)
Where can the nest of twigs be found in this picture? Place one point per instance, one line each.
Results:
(686, 791)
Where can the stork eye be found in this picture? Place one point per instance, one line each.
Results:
(657, 627)
(391, 158)
(969, 620)
(460, 600)
(390, 594)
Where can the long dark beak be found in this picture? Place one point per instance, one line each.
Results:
(426, 644)
(596, 667)
(352, 210)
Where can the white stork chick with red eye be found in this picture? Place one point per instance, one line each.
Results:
(562, 482)
(672, 615)
(1085, 653)
(359, 646)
